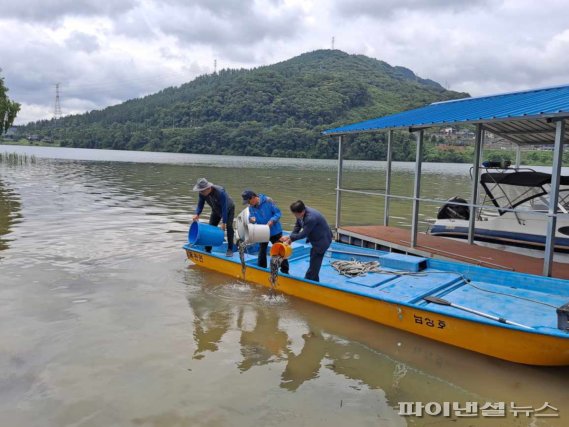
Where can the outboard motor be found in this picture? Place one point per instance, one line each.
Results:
(452, 211)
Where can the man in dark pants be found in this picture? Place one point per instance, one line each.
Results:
(311, 224)
(263, 210)
(222, 209)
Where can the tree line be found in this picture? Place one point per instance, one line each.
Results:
(276, 110)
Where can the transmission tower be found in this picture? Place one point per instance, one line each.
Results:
(332, 42)
(57, 106)
(214, 66)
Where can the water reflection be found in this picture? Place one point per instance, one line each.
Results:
(10, 208)
(266, 343)
(306, 365)
(209, 328)
(95, 299)
(305, 343)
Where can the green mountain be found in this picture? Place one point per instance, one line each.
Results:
(274, 110)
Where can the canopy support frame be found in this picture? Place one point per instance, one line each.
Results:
(554, 197)
(388, 178)
(417, 187)
(475, 178)
(339, 181)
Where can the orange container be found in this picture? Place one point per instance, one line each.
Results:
(281, 249)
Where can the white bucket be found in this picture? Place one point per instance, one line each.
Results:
(257, 233)
(242, 224)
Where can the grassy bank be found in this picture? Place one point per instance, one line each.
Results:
(24, 141)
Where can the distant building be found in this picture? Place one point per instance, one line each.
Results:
(10, 133)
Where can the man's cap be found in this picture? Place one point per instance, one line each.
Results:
(248, 195)
(202, 184)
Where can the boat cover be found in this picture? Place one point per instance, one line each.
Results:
(512, 189)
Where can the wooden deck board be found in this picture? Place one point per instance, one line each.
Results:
(440, 247)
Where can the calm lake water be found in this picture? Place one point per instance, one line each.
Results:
(105, 323)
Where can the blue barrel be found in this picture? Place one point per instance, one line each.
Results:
(205, 235)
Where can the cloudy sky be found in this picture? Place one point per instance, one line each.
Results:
(103, 52)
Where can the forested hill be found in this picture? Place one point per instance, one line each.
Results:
(275, 110)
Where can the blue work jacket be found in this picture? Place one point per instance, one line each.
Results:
(218, 200)
(315, 228)
(266, 211)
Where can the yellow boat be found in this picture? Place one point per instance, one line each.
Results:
(512, 316)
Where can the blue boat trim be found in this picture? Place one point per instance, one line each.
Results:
(502, 294)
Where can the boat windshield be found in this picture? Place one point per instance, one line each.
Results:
(511, 189)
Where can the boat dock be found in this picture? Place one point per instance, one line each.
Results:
(399, 240)
(531, 117)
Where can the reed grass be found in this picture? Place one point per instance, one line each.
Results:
(17, 159)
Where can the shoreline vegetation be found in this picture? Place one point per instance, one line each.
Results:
(17, 159)
(434, 153)
(278, 110)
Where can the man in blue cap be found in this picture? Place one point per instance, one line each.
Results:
(312, 225)
(222, 209)
(263, 210)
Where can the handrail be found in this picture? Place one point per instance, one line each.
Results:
(442, 202)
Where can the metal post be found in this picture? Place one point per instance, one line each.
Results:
(417, 188)
(339, 182)
(475, 179)
(388, 178)
(518, 156)
(553, 198)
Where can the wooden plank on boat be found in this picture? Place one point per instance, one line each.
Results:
(437, 247)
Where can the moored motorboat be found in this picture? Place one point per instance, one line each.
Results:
(516, 215)
(512, 316)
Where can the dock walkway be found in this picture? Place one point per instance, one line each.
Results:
(399, 240)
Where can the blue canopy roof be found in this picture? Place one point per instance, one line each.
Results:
(537, 105)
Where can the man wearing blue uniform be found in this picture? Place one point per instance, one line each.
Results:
(312, 225)
(222, 209)
(263, 210)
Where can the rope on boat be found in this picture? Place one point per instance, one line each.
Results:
(356, 268)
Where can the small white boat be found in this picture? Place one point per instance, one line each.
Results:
(526, 191)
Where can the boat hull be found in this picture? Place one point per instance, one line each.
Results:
(496, 341)
(506, 230)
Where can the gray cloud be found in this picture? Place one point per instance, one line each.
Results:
(222, 8)
(54, 10)
(224, 25)
(113, 51)
(95, 81)
(387, 8)
(79, 41)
